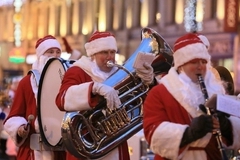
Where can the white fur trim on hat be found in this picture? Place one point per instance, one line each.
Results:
(100, 44)
(205, 41)
(47, 44)
(190, 52)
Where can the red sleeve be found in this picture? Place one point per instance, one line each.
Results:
(24, 102)
(73, 76)
(160, 106)
(154, 113)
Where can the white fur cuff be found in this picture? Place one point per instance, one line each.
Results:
(76, 98)
(11, 126)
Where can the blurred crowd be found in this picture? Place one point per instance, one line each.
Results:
(8, 150)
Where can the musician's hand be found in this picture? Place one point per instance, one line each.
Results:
(201, 125)
(225, 126)
(145, 73)
(216, 124)
(109, 93)
(198, 128)
(224, 121)
(23, 131)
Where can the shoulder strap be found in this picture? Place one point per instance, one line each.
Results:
(36, 75)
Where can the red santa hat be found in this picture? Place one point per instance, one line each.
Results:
(45, 43)
(189, 47)
(100, 41)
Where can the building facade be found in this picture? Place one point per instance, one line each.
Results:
(22, 22)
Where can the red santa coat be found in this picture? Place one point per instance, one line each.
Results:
(167, 113)
(75, 95)
(24, 104)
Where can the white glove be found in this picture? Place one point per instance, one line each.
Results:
(109, 93)
(145, 73)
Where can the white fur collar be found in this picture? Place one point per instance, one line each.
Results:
(189, 94)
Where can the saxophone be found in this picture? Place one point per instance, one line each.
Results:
(94, 133)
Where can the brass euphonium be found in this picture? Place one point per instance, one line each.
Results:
(94, 133)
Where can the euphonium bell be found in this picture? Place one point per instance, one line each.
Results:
(94, 133)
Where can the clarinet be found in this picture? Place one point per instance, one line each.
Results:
(218, 134)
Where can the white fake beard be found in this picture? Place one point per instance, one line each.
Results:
(40, 63)
(193, 93)
(103, 75)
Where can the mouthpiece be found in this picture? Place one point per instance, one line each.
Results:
(110, 64)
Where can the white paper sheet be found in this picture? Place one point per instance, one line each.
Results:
(228, 104)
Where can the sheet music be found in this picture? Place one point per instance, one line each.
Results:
(143, 57)
(228, 104)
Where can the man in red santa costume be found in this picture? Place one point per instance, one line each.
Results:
(82, 83)
(24, 105)
(174, 126)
